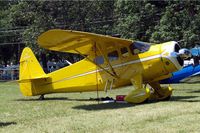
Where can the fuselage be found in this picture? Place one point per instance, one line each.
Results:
(154, 64)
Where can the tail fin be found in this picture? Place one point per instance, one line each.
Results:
(30, 70)
(29, 66)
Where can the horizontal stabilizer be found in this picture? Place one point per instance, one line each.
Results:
(28, 79)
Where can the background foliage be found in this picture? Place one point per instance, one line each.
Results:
(21, 22)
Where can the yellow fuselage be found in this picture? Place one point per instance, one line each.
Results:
(86, 76)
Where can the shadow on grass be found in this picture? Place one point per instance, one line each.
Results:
(192, 82)
(184, 99)
(55, 99)
(114, 105)
(196, 91)
(3, 124)
(103, 106)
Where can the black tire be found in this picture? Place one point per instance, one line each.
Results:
(167, 98)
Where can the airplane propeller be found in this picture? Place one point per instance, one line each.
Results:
(182, 53)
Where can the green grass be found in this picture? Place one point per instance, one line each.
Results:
(74, 113)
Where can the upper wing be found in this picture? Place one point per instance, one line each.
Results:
(73, 41)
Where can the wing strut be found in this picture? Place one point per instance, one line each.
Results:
(114, 73)
(97, 77)
(96, 64)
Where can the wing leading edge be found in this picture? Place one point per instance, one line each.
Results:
(73, 41)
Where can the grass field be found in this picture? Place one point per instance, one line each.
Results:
(74, 113)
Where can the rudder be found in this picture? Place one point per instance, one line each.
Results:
(30, 70)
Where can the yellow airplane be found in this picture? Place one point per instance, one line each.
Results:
(109, 62)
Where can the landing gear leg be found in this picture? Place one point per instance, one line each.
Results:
(140, 94)
(41, 97)
(160, 93)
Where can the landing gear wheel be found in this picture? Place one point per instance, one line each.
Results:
(41, 97)
(167, 98)
(145, 101)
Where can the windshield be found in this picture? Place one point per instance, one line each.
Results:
(139, 47)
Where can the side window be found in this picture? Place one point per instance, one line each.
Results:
(133, 49)
(124, 52)
(99, 60)
(113, 56)
(139, 47)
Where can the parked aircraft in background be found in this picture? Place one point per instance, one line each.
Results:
(191, 68)
(108, 62)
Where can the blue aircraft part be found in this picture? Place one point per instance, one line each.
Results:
(195, 51)
(187, 71)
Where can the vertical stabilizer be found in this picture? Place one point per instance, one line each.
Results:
(29, 66)
(30, 70)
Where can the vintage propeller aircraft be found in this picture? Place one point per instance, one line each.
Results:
(109, 62)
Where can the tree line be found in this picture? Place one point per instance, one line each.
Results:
(21, 22)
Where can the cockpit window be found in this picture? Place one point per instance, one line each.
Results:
(139, 47)
(113, 56)
(124, 52)
(99, 60)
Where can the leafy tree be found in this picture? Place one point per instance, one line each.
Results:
(6, 50)
(180, 23)
(39, 16)
(136, 19)
(154, 21)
